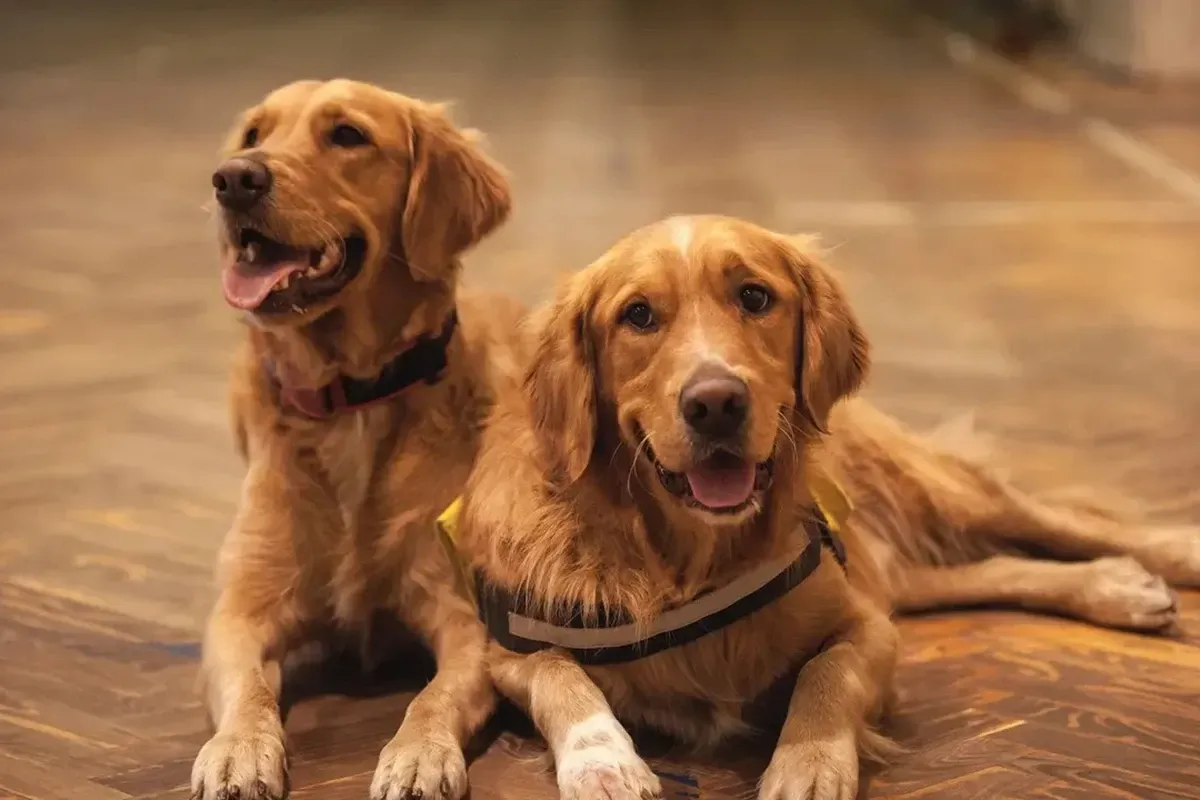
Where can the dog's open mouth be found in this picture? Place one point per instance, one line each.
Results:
(722, 483)
(265, 275)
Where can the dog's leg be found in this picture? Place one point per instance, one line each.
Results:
(1079, 531)
(425, 757)
(246, 758)
(1115, 591)
(839, 694)
(594, 757)
(981, 507)
(248, 632)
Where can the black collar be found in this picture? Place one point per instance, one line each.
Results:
(424, 362)
(614, 639)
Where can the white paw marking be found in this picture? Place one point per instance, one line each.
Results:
(595, 760)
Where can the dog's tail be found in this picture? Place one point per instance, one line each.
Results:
(958, 436)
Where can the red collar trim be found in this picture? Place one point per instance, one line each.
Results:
(424, 362)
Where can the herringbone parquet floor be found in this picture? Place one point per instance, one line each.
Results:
(1032, 261)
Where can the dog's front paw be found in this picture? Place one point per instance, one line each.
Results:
(818, 769)
(250, 765)
(601, 773)
(597, 761)
(415, 765)
(1173, 552)
(1121, 593)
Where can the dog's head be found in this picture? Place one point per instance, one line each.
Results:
(709, 344)
(326, 185)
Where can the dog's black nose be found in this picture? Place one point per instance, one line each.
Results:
(714, 402)
(240, 183)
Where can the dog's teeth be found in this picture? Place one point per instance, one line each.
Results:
(330, 258)
(251, 252)
(283, 284)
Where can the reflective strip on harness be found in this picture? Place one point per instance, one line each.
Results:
(616, 639)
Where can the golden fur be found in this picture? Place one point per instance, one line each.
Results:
(565, 503)
(335, 523)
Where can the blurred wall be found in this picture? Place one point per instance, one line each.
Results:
(1142, 38)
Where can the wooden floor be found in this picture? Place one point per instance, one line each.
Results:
(1028, 255)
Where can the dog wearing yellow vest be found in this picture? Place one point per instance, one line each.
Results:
(681, 512)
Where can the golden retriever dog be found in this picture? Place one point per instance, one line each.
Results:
(358, 396)
(678, 444)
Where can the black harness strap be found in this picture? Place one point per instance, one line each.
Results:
(511, 621)
(424, 362)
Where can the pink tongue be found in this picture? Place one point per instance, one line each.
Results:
(246, 286)
(725, 486)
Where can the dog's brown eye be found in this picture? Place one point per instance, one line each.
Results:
(250, 138)
(347, 136)
(754, 299)
(638, 315)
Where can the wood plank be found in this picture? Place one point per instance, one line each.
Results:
(1004, 263)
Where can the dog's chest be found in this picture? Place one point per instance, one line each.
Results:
(348, 457)
(388, 487)
(737, 679)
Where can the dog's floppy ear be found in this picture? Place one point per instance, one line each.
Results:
(832, 353)
(456, 194)
(561, 381)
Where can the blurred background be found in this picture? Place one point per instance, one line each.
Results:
(1011, 189)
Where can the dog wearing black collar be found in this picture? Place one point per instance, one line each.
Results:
(681, 510)
(358, 394)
